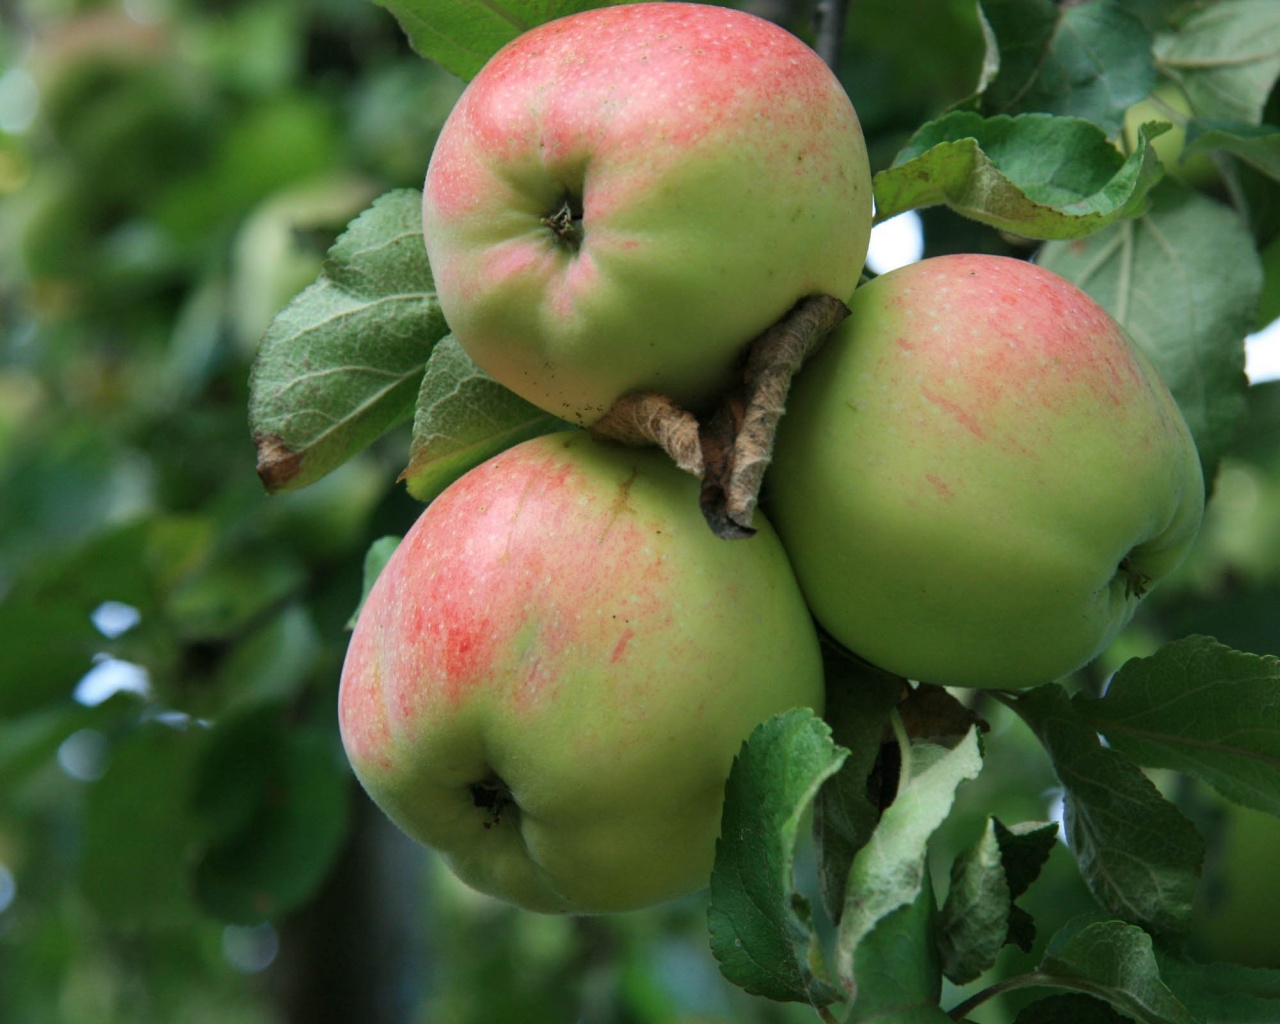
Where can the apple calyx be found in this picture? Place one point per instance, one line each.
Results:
(566, 222)
(493, 795)
(730, 450)
(1136, 582)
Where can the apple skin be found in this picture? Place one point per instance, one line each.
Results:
(719, 173)
(551, 676)
(979, 474)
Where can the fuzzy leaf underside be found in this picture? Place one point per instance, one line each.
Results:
(761, 932)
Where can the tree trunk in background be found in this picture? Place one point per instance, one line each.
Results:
(357, 952)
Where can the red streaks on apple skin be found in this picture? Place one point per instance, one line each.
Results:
(1001, 337)
(940, 485)
(485, 592)
(621, 647)
(957, 411)
(365, 731)
(543, 95)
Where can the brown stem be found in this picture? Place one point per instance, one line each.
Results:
(774, 359)
(647, 417)
(731, 450)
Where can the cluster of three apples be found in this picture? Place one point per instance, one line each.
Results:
(551, 676)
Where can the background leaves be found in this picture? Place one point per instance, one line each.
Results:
(184, 174)
(1090, 60)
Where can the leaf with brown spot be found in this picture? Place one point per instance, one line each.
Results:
(342, 363)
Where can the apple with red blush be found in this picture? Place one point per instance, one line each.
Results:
(979, 476)
(552, 674)
(623, 199)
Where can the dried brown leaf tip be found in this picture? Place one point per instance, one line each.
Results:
(277, 463)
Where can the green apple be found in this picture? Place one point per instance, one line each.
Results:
(979, 476)
(1169, 103)
(623, 199)
(551, 676)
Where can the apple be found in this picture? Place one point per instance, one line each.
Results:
(979, 475)
(552, 674)
(1169, 104)
(623, 199)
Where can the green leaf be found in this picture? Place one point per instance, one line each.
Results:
(1199, 707)
(1091, 61)
(342, 363)
(463, 417)
(1224, 993)
(1226, 58)
(760, 930)
(273, 804)
(1114, 961)
(379, 553)
(461, 35)
(975, 917)
(1024, 849)
(979, 916)
(897, 968)
(271, 664)
(1072, 1008)
(888, 872)
(1138, 854)
(48, 645)
(137, 833)
(860, 699)
(1035, 175)
(29, 742)
(1257, 145)
(228, 595)
(1018, 33)
(1184, 281)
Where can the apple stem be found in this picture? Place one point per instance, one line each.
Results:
(646, 417)
(566, 223)
(731, 450)
(904, 750)
(772, 362)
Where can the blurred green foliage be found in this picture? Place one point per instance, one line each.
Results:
(193, 847)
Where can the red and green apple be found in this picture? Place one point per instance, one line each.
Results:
(551, 676)
(979, 475)
(623, 199)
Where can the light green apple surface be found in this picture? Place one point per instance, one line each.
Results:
(551, 676)
(978, 476)
(623, 199)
